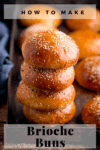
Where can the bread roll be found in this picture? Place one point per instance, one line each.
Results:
(90, 113)
(47, 19)
(29, 31)
(88, 42)
(59, 116)
(44, 100)
(50, 49)
(87, 73)
(47, 79)
(91, 23)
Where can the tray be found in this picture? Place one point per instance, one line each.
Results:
(15, 109)
(15, 114)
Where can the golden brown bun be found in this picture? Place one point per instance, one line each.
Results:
(59, 116)
(29, 31)
(87, 73)
(51, 49)
(47, 79)
(44, 101)
(76, 24)
(44, 18)
(88, 42)
(90, 113)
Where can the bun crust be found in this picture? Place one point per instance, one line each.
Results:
(77, 24)
(90, 113)
(47, 79)
(59, 116)
(50, 49)
(88, 42)
(87, 73)
(26, 20)
(44, 101)
(29, 31)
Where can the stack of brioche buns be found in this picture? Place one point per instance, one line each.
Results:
(47, 74)
(46, 89)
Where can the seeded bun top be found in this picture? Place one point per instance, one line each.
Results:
(90, 113)
(87, 73)
(50, 49)
(30, 30)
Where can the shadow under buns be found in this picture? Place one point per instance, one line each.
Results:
(47, 79)
(47, 19)
(90, 113)
(88, 42)
(59, 116)
(51, 49)
(44, 101)
(87, 73)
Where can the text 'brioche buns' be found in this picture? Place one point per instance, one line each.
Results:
(59, 116)
(90, 113)
(88, 42)
(29, 31)
(47, 19)
(44, 101)
(91, 23)
(47, 79)
(87, 73)
(51, 49)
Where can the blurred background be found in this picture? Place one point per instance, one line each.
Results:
(2, 2)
